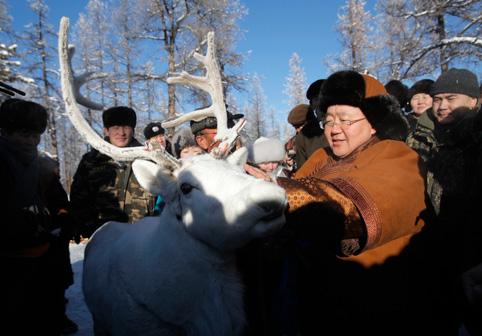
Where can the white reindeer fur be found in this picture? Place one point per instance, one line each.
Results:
(175, 274)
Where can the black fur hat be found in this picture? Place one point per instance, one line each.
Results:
(314, 89)
(365, 92)
(119, 116)
(399, 90)
(421, 86)
(18, 114)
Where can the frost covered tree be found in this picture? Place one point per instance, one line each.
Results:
(9, 63)
(295, 85)
(399, 40)
(274, 127)
(436, 34)
(41, 62)
(180, 26)
(454, 27)
(354, 27)
(255, 111)
(90, 39)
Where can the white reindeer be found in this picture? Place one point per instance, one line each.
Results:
(176, 274)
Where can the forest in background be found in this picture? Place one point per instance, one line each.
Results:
(131, 47)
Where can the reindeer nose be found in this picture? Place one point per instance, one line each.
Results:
(271, 202)
(272, 209)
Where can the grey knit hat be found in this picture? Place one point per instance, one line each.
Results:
(455, 80)
(266, 150)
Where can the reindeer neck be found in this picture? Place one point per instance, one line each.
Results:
(198, 248)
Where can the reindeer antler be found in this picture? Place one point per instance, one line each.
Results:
(69, 90)
(81, 80)
(212, 84)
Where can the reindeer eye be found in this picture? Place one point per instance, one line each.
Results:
(186, 188)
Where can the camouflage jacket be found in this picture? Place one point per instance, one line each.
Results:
(421, 138)
(104, 189)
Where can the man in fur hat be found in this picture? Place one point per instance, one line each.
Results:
(36, 228)
(353, 210)
(104, 189)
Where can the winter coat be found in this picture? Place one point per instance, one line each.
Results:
(106, 190)
(454, 187)
(361, 188)
(308, 141)
(27, 221)
(34, 258)
(421, 138)
(355, 264)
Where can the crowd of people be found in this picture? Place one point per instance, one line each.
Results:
(382, 236)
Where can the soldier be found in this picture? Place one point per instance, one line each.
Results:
(205, 130)
(155, 136)
(104, 189)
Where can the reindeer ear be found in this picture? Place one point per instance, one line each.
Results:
(239, 157)
(152, 177)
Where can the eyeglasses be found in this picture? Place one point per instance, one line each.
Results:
(341, 123)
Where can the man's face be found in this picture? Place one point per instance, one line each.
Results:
(119, 136)
(159, 140)
(205, 138)
(444, 104)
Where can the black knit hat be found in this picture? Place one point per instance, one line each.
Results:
(152, 129)
(119, 116)
(365, 92)
(421, 86)
(210, 122)
(17, 114)
(455, 80)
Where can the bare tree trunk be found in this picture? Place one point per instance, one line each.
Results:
(51, 130)
(444, 63)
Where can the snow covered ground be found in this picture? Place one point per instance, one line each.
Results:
(76, 308)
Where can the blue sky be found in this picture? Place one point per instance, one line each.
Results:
(275, 29)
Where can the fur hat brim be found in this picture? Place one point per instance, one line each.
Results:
(369, 95)
(383, 113)
(342, 88)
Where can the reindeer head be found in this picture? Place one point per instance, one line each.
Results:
(216, 201)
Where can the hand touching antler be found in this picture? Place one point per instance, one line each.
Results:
(212, 84)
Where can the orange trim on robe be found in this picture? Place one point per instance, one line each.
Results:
(383, 181)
